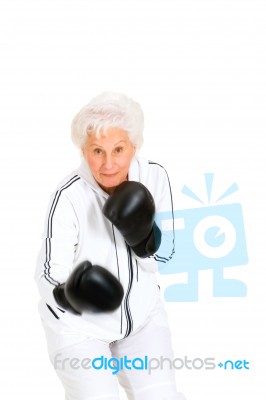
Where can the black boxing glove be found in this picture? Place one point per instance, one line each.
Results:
(89, 288)
(131, 209)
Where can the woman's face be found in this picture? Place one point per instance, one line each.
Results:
(109, 157)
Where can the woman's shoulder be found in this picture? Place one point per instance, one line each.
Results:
(66, 187)
(153, 175)
(151, 168)
(68, 181)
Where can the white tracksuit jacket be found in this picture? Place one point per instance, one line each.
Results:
(76, 230)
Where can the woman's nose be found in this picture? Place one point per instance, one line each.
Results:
(109, 161)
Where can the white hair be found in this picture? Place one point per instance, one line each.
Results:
(108, 109)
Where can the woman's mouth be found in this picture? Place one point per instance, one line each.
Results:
(110, 175)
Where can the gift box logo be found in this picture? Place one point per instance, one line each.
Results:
(208, 237)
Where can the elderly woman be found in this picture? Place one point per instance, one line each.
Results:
(100, 304)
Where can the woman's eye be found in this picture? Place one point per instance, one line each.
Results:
(119, 149)
(97, 151)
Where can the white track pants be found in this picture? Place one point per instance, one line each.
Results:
(73, 354)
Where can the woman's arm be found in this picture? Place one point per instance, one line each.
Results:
(159, 185)
(164, 206)
(59, 242)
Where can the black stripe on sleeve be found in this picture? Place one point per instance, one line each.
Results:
(52, 311)
(47, 265)
(156, 256)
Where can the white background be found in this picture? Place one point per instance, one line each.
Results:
(198, 70)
